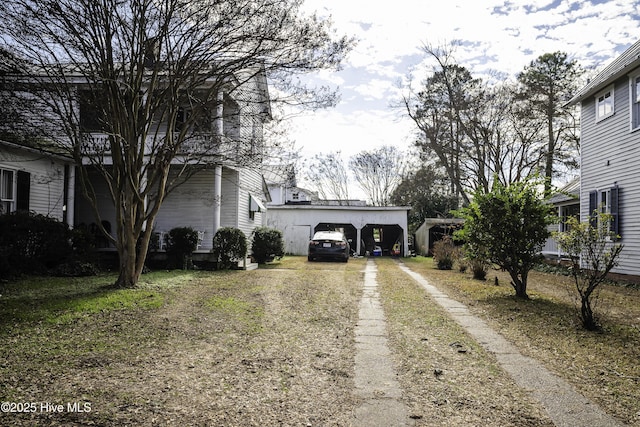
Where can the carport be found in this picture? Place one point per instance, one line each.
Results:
(365, 226)
(382, 235)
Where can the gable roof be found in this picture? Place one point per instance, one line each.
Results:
(622, 65)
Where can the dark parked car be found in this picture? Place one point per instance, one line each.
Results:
(329, 245)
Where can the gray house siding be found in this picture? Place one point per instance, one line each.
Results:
(192, 204)
(610, 156)
(229, 202)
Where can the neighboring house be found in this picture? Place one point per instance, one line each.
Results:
(610, 152)
(36, 180)
(567, 203)
(224, 190)
(283, 187)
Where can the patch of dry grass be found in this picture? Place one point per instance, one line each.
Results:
(603, 366)
(447, 377)
(264, 347)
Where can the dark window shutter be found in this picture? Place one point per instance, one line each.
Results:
(615, 220)
(593, 205)
(23, 188)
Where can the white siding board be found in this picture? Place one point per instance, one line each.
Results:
(250, 185)
(229, 202)
(191, 205)
(46, 192)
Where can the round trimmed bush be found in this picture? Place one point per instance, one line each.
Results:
(32, 243)
(229, 247)
(267, 244)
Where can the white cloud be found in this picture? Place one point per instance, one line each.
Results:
(495, 35)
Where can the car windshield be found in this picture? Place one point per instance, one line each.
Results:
(327, 235)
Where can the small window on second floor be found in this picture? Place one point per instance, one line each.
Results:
(91, 115)
(604, 104)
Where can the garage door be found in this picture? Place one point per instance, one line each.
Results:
(298, 240)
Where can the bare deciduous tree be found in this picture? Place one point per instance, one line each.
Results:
(327, 175)
(157, 73)
(378, 173)
(477, 130)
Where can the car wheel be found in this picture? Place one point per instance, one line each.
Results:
(309, 258)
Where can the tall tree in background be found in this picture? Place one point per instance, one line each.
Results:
(378, 172)
(545, 87)
(141, 61)
(327, 175)
(478, 130)
(437, 108)
(426, 190)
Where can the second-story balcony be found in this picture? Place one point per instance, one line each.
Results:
(196, 146)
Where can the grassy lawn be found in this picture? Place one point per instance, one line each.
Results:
(603, 366)
(265, 347)
(275, 346)
(448, 379)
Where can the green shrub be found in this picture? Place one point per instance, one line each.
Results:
(267, 244)
(181, 243)
(593, 253)
(229, 247)
(508, 228)
(32, 243)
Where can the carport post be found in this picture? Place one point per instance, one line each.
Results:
(358, 240)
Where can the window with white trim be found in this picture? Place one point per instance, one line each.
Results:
(634, 94)
(7, 190)
(605, 201)
(605, 104)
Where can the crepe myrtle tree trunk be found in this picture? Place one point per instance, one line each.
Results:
(154, 73)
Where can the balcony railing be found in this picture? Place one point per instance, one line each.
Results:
(193, 145)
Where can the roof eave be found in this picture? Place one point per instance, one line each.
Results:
(619, 67)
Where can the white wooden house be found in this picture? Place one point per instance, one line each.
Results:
(226, 188)
(224, 191)
(610, 151)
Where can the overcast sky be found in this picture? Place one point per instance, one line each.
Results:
(495, 35)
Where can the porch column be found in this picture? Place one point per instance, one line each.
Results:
(218, 128)
(70, 207)
(217, 197)
(358, 240)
